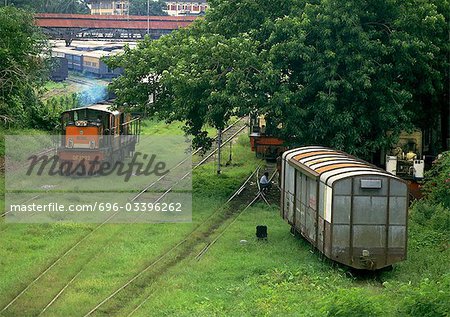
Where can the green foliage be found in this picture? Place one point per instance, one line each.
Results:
(46, 115)
(139, 7)
(433, 216)
(335, 73)
(22, 65)
(353, 302)
(53, 6)
(437, 185)
(428, 299)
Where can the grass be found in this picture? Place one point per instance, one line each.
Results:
(279, 277)
(102, 265)
(51, 85)
(155, 127)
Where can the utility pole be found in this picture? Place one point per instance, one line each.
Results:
(148, 17)
(219, 144)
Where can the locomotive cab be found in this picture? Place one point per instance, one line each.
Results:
(85, 128)
(262, 141)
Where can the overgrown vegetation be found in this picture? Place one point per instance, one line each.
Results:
(23, 65)
(346, 74)
(53, 6)
(47, 113)
(437, 187)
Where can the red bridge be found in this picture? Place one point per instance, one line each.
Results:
(70, 26)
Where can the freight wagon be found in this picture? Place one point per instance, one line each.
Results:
(351, 211)
(59, 70)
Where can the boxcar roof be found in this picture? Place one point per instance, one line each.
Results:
(331, 165)
(98, 107)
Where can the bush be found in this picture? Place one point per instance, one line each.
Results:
(46, 115)
(353, 302)
(429, 299)
(437, 185)
(433, 216)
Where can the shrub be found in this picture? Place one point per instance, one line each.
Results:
(433, 216)
(353, 302)
(46, 115)
(437, 185)
(429, 299)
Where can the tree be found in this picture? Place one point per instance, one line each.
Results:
(139, 7)
(346, 74)
(52, 6)
(22, 65)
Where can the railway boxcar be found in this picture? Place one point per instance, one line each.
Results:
(351, 211)
(93, 64)
(60, 69)
(96, 133)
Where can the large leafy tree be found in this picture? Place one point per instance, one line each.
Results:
(22, 65)
(139, 7)
(347, 74)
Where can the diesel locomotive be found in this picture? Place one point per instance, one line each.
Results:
(262, 142)
(96, 134)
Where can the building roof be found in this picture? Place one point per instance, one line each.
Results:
(331, 165)
(52, 20)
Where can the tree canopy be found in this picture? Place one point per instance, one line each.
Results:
(51, 6)
(139, 7)
(346, 74)
(22, 65)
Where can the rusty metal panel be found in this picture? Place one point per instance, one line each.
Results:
(299, 216)
(369, 210)
(397, 237)
(368, 191)
(312, 193)
(327, 239)
(368, 237)
(343, 187)
(398, 188)
(341, 211)
(310, 228)
(320, 237)
(397, 210)
(341, 236)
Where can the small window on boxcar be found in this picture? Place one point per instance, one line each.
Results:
(370, 183)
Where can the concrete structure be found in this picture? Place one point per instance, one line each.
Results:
(109, 7)
(186, 7)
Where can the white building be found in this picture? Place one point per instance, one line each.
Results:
(186, 7)
(109, 7)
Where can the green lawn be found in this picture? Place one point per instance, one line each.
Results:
(155, 127)
(279, 277)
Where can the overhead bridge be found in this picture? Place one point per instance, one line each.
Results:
(79, 26)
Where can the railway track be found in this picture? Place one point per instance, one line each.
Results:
(81, 82)
(99, 226)
(238, 202)
(43, 152)
(228, 135)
